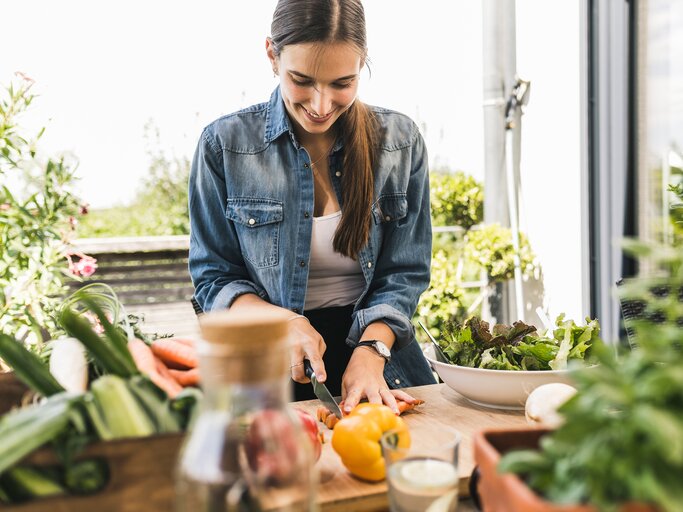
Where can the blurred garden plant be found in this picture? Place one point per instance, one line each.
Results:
(466, 256)
(456, 199)
(491, 248)
(38, 216)
(622, 436)
(160, 206)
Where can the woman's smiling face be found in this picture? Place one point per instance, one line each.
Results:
(318, 82)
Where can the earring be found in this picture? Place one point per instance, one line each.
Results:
(274, 72)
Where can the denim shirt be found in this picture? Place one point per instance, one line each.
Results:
(251, 207)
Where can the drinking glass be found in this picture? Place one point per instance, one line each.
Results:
(423, 477)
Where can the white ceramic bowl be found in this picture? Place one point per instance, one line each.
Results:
(500, 389)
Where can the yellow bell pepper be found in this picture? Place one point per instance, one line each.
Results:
(356, 439)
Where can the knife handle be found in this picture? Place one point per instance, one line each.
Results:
(308, 369)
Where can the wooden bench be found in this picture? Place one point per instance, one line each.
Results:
(150, 277)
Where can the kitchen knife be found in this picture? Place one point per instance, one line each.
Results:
(321, 391)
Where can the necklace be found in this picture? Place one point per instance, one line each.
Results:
(326, 153)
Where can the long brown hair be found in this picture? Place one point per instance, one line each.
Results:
(334, 21)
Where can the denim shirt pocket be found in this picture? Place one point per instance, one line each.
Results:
(390, 207)
(257, 222)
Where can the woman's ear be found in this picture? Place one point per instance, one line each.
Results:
(270, 51)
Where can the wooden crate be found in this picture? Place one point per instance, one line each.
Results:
(12, 391)
(141, 477)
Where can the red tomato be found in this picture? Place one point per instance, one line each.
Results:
(311, 427)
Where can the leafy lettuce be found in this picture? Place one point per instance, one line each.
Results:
(518, 346)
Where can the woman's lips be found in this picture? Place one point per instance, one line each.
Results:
(315, 119)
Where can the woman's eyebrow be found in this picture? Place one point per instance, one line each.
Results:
(301, 75)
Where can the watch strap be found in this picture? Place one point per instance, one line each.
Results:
(371, 344)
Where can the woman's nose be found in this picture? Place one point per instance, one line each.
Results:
(321, 102)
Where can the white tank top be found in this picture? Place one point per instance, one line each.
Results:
(333, 279)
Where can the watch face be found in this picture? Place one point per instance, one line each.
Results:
(382, 349)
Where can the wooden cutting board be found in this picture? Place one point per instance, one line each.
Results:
(339, 491)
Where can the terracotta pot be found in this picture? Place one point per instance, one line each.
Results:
(507, 492)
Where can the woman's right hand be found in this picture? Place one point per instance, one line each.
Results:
(308, 343)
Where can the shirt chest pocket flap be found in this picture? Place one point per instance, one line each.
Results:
(389, 208)
(257, 222)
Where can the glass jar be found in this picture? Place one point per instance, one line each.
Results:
(246, 450)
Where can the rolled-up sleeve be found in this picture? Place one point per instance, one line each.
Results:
(402, 269)
(216, 264)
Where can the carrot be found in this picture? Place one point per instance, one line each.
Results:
(175, 354)
(153, 367)
(321, 413)
(184, 341)
(142, 355)
(331, 421)
(405, 406)
(186, 377)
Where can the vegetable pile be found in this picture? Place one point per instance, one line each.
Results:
(131, 393)
(518, 346)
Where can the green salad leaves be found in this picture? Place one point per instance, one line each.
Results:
(518, 346)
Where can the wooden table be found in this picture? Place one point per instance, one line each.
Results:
(339, 491)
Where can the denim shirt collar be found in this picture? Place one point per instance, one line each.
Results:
(277, 120)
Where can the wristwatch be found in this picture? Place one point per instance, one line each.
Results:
(378, 346)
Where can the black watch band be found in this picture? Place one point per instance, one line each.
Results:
(379, 347)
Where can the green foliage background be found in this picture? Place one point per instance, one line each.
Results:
(160, 205)
(38, 211)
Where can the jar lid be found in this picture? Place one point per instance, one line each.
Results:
(248, 331)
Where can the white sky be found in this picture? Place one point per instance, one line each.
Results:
(105, 70)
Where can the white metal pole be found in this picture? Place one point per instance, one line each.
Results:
(514, 220)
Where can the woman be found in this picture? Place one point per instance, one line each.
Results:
(317, 204)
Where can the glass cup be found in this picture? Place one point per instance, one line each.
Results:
(423, 477)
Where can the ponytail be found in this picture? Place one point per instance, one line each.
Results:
(359, 129)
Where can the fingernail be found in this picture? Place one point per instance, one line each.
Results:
(347, 409)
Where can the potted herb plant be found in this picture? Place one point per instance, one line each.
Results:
(621, 444)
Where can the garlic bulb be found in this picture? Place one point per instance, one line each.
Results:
(543, 402)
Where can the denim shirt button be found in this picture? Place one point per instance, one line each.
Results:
(369, 264)
(302, 263)
(306, 215)
(306, 165)
(397, 381)
(387, 218)
(337, 174)
(252, 222)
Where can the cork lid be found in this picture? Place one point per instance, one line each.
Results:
(251, 331)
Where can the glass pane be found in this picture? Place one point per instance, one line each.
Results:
(660, 117)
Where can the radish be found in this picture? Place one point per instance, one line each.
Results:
(68, 364)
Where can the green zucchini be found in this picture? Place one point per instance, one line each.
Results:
(156, 404)
(26, 483)
(27, 429)
(122, 413)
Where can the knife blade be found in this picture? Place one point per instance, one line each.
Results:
(321, 391)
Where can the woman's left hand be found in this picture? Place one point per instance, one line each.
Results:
(364, 378)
